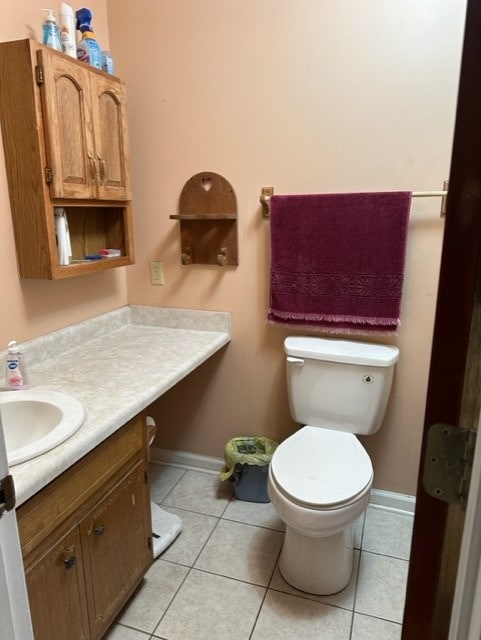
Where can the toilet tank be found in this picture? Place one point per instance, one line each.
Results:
(339, 384)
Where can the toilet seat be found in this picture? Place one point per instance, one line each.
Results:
(321, 468)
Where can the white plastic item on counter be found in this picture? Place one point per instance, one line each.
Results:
(51, 34)
(15, 372)
(67, 30)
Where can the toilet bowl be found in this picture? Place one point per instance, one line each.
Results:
(320, 484)
(320, 477)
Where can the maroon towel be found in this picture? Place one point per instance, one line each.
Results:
(337, 261)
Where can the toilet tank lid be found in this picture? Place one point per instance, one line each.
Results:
(348, 351)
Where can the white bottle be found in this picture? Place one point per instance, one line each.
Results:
(15, 373)
(64, 247)
(67, 30)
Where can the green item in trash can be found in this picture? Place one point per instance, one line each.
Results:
(247, 450)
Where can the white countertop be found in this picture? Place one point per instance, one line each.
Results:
(117, 364)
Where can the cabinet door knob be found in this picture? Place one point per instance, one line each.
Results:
(100, 530)
(69, 563)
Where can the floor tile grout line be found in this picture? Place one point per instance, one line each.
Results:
(147, 634)
(205, 543)
(223, 575)
(190, 567)
(171, 489)
(363, 529)
(357, 583)
(276, 564)
(254, 524)
(384, 555)
(172, 600)
(258, 613)
(228, 518)
(370, 615)
(306, 597)
(187, 566)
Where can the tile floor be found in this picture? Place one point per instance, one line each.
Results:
(219, 580)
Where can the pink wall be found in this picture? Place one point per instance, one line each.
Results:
(303, 96)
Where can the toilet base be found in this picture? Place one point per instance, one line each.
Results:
(317, 565)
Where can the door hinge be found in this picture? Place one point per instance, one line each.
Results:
(149, 543)
(39, 77)
(146, 476)
(48, 175)
(448, 463)
(7, 494)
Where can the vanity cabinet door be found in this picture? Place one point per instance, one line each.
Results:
(117, 549)
(86, 131)
(111, 140)
(56, 591)
(69, 135)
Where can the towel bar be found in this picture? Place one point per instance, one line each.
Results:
(267, 192)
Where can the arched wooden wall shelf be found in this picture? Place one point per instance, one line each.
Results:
(208, 221)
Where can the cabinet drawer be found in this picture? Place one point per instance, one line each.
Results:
(71, 492)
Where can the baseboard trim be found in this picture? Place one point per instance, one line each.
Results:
(391, 501)
(186, 459)
(381, 499)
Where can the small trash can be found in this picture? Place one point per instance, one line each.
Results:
(246, 465)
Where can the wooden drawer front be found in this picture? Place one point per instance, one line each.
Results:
(48, 509)
(56, 592)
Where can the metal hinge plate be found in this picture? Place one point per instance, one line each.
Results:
(448, 463)
(39, 77)
(48, 175)
(7, 494)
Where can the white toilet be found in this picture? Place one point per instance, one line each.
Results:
(320, 478)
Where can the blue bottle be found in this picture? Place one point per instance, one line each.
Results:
(88, 49)
(51, 32)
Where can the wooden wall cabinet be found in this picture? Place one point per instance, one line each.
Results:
(86, 539)
(64, 128)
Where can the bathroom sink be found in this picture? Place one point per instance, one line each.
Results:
(36, 421)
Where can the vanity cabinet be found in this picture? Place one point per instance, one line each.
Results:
(87, 539)
(64, 129)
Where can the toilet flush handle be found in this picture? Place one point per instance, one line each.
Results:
(298, 362)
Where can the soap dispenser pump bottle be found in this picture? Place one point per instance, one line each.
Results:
(15, 373)
(51, 33)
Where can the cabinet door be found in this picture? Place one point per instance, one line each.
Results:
(70, 147)
(116, 543)
(55, 584)
(111, 140)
